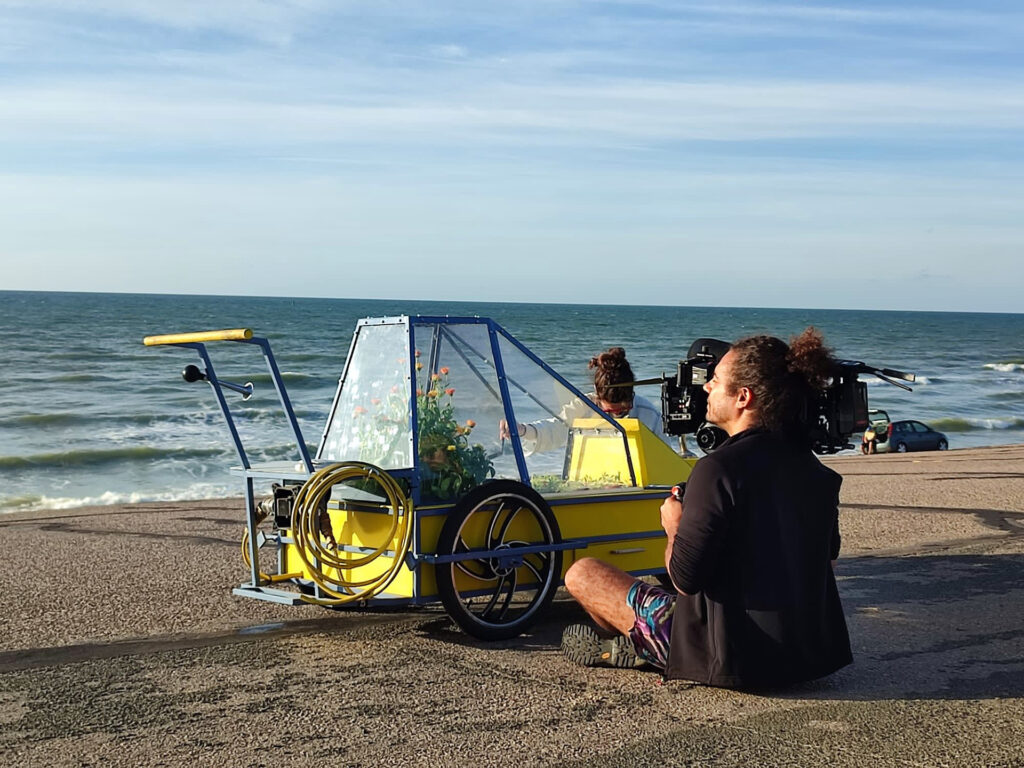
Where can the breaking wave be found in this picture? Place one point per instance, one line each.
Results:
(32, 502)
(88, 458)
(969, 425)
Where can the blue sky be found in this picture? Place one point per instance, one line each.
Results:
(739, 154)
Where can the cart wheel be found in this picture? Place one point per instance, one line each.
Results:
(497, 597)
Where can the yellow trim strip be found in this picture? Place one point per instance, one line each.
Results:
(231, 334)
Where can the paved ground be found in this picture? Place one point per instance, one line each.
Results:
(121, 645)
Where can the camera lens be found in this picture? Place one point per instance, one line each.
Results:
(710, 437)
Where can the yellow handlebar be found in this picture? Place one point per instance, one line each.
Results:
(230, 334)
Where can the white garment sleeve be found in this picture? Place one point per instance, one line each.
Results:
(552, 433)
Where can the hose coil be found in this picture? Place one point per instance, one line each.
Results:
(326, 562)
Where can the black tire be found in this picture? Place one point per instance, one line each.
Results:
(489, 599)
(901, 447)
(943, 445)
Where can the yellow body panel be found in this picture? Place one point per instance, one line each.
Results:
(619, 511)
(230, 334)
(597, 452)
(625, 516)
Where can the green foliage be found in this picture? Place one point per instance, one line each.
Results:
(449, 465)
(556, 484)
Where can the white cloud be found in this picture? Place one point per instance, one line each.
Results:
(449, 51)
(614, 112)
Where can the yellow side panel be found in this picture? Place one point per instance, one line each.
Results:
(606, 518)
(597, 452)
(370, 529)
(633, 555)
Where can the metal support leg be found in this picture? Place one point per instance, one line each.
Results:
(250, 514)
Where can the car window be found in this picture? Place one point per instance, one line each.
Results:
(919, 427)
(899, 427)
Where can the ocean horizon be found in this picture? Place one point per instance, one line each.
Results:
(91, 416)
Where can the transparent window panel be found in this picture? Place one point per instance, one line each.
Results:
(551, 411)
(459, 407)
(595, 458)
(372, 421)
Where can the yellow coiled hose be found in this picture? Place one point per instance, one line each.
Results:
(322, 558)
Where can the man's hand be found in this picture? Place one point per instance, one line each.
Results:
(671, 513)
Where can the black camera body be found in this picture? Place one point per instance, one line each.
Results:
(839, 411)
(684, 403)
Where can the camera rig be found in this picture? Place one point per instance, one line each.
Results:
(839, 411)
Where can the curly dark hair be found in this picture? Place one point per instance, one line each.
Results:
(611, 367)
(784, 379)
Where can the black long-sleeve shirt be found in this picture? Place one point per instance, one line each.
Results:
(752, 555)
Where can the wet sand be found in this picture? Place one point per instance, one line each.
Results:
(121, 644)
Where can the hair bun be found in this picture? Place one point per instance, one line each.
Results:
(612, 368)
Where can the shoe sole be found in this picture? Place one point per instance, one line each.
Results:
(581, 645)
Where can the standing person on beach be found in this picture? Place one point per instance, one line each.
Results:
(750, 547)
(612, 394)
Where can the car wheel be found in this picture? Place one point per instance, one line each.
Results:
(943, 445)
(901, 447)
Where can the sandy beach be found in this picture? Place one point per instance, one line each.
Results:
(122, 645)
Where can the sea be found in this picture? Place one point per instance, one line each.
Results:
(90, 416)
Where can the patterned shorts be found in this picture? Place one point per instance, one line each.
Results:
(650, 634)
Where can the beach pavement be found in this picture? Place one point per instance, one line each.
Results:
(122, 645)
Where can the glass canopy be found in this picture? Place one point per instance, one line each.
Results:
(431, 397)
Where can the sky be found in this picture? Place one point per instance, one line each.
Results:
(792, 154)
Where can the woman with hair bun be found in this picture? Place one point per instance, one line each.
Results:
(610, 368)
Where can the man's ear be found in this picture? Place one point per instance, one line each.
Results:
(744, 398)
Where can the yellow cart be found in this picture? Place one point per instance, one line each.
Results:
(412, 495)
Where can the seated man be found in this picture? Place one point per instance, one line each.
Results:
(750, 547)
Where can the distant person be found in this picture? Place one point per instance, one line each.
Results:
(750, 546)
(869, 443)
(611, 368)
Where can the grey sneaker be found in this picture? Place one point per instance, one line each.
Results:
(582, 645)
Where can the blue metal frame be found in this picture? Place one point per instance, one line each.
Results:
(494, 329)
(586, 400)
(250, 499)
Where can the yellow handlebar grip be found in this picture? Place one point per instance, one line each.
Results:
(230, 334)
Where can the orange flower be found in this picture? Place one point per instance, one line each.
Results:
(419, 366)
(450, 391)
(444, 371)
(375, 400)
(435, 376)
(417, 353)
(432, 393)
(419, 393)
(394, 389)
(358, 411)
(470, 423)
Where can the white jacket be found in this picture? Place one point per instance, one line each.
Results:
(552, 433)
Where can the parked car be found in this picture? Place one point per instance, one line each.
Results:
(909, 435)
(878, 422)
